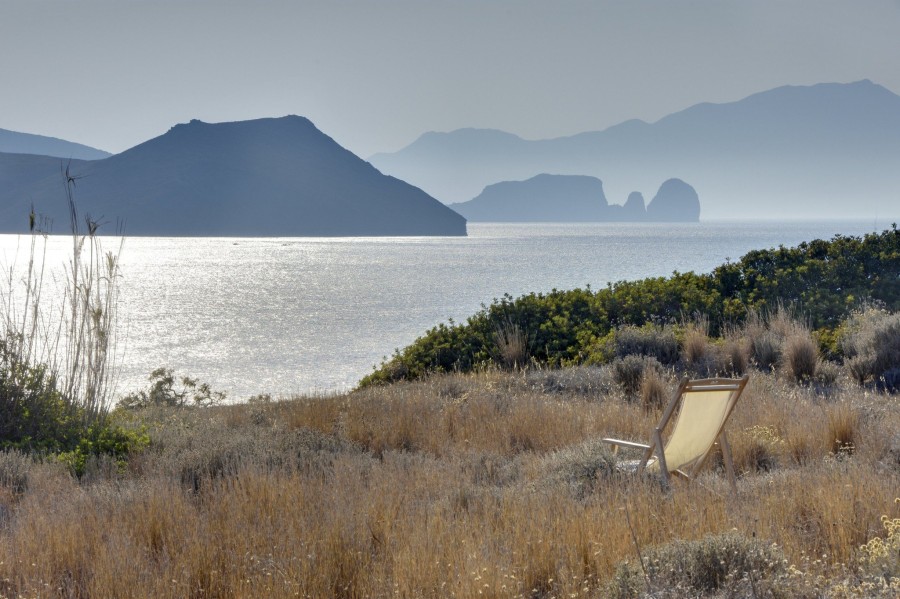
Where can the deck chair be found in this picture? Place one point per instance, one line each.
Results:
(705, 406)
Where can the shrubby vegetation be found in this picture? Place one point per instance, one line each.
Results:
(167, 390)
(491, 484)
(824, 281)
(57, 362)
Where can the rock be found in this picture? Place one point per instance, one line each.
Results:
(676, 201)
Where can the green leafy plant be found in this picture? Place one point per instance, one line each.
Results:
(167, 390)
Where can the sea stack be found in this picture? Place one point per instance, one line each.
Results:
(676, 201)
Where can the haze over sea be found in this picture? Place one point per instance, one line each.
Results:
(288, 315)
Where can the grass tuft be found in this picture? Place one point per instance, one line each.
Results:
(801, 356)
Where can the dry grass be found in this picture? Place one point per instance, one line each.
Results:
(801, 356)
(654, 391)
(695, 347)
(735, 352)
(480, 485)
(511, 345)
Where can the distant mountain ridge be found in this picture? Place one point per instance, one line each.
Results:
(14, 142)
(265, 177)
(577, 198)
(790, 151)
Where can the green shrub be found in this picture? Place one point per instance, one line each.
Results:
(112, 441)
(826, 279)
(656, 341)
(34, 415)
(166, 390)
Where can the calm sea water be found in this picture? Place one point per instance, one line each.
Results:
(294, 315)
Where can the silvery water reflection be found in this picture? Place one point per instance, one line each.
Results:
(305, 314)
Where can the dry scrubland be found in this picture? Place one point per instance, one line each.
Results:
(487, 484)
(481, 485)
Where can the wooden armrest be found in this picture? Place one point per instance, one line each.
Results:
(626, 443)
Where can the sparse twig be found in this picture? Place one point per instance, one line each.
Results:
(637, 548)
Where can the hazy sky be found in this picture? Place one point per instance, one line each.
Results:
(374, 74)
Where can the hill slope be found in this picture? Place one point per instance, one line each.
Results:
(13, 142)
(824, 150)
(266, 177)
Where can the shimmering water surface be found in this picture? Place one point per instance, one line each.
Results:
(307, 314)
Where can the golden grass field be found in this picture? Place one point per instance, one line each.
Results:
(481, 485)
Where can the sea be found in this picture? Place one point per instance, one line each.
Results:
(285, 316)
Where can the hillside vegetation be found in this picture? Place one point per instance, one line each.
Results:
(821, 280)
(479, 485)
(491, 483)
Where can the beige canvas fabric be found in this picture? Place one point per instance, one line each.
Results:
(699, 422)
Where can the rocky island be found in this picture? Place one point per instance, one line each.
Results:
(577, 198)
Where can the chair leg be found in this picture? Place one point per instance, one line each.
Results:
(661, 457)
(729, 464)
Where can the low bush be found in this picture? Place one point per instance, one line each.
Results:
(827, 373)
(629, 372)
(880, 557)
(734, 356)
(870, 340)
(726, 561)
(14, 467)
(695, 347)
(889, 380)
(654, 392)
(801, 356)
(580, 468)
(588, 381)
(655, 341)
(34, 414)
(166, 390)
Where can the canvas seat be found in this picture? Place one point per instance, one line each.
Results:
(703, 407)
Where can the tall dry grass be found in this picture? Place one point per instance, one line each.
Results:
(73, 343)
(486, 485)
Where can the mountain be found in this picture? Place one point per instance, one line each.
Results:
(796, 151)
(577, 198)
(265, 177)
(13, 142)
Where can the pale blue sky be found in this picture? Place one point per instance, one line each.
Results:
(374, 74)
